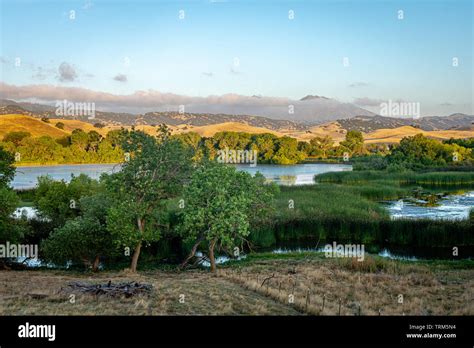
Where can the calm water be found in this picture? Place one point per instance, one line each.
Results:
(300, 174)
(27, 177)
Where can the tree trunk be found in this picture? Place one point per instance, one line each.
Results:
(192, 253)
(95, 265)
(211, 256)
(136, 252)
(136, 255)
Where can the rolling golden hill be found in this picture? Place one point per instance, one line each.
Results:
(17, 122)
(210, 130)
(396, 134)
(34, 126)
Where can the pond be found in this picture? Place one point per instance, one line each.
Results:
(298, 174)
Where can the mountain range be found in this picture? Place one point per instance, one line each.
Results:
(318, 104)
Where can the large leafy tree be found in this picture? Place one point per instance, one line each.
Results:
(419, 151)
(59, 201)
(354, 142)
(220, 205)
(287, 151)
(320, 146)
(7, 170)
(11, 229)
(156, 172)
(82, 239)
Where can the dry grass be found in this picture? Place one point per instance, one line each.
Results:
(319, 287)
(210, 130)
(345, 285)
(22, 123)
(38, 293)
(396, 134)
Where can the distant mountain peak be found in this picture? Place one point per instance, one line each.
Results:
(311, 97)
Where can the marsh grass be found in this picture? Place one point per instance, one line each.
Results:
(350, 213)
(404, 178)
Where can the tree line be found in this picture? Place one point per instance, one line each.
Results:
(159, 191)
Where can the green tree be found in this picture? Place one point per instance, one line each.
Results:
(59, 201)
(220, 205)
(265, 146)
(11, 229)
(82, 239)
(287, 151)
(419, 151)
(59, 125)
(155, 173)
(354, 142)
(194, 141)
(320, 146)
(16, 137)
(7, 170)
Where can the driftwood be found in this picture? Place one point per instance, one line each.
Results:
(112, 290)
(272, 276)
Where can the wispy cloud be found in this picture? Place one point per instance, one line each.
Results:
(148, 98)
(365, 101)
(120, 78)
(358, 84)
(67, 73)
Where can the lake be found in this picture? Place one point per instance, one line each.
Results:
(299, 174)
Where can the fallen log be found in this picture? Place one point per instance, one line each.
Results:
(111, 290)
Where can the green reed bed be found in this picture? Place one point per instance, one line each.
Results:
(306, 215)
(405, 178)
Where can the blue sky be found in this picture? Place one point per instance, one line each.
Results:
(408, 59)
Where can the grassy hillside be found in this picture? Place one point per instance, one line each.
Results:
(396, 134)
(210, 130)
(17, 122)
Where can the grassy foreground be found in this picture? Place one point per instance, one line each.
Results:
(260, 285)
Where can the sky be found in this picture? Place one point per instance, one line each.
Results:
(361, 52)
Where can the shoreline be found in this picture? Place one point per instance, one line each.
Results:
(112, 163)
(61, 164)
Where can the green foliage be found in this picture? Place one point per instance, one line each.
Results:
(59, 201)
(7, 170)
(418, 152)
(467, 143)
(82, 239)
(320, 146)
(59, 125)
(16, 137)
(156, 172)
(354, 142)
(220, 205)
(11, 229)
(80, 147)
(399, 178)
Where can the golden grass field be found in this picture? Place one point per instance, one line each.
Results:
(320, 286)
(36, 127)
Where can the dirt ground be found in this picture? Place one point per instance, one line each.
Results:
(314, 286)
